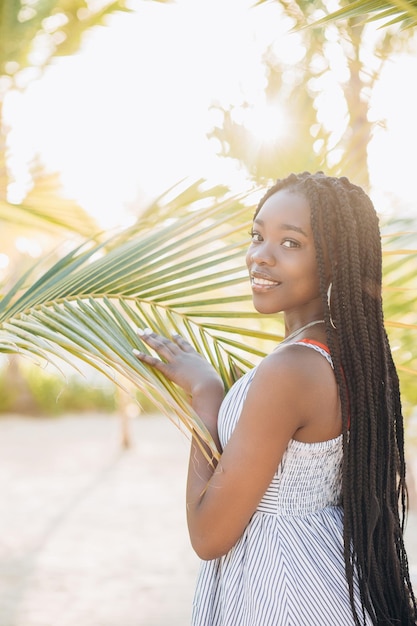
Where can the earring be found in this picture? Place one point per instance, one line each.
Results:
(329, 295)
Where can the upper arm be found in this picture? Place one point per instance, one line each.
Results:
(270, 416)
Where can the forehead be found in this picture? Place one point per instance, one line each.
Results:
(286, 205)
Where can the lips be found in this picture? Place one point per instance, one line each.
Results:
(261, 281)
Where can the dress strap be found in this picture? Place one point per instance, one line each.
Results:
(315, 345)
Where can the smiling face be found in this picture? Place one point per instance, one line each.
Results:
(282, 260)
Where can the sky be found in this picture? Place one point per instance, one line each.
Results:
(128, 116)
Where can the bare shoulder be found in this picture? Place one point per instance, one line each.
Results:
(301, 380)
(281, 380)
(298, 365)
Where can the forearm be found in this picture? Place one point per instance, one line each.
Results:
(206, 403)
(181, 364)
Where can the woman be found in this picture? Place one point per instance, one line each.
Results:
(299, 521)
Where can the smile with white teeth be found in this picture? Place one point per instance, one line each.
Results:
(256, 280)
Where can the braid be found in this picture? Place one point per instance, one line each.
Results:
(347, 240)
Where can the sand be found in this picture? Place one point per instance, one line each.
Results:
(90, 534)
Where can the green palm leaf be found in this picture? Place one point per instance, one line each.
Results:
(179, 277)
(402, 12)
(45, 209)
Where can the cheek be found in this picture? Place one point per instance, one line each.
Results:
(314, 278)
(248, 257)
(306, 274)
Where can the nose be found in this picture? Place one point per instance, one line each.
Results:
(261, 254)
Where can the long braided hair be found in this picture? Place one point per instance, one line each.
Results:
(348, 244)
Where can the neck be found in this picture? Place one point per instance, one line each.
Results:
(299, 330)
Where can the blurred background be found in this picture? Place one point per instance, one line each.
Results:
(105, 107)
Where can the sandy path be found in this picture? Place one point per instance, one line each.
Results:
(91, 535)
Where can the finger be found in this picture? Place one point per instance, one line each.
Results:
(163, 346)
(183, 343)
(147, 358)
(145, 333)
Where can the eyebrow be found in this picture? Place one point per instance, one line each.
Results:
(297, 229)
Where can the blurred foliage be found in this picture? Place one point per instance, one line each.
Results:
(33, 32)
(332, 57)
(51, 394)
(44, 214)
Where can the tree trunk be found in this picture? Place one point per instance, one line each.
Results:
(358, 136)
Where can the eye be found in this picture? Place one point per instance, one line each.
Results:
(290, 243)
(255, 236)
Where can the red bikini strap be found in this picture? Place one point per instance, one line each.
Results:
(316, 343)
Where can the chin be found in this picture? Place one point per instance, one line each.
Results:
(265, 310)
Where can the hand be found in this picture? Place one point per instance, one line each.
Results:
(179, 362)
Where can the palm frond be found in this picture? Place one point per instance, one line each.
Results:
(179, 277)
(45, 209)
(403, 12)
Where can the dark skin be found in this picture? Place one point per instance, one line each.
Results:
(304, 406)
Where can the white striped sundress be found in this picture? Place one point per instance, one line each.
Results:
(287, 569)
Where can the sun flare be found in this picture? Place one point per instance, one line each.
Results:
(266, 122)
